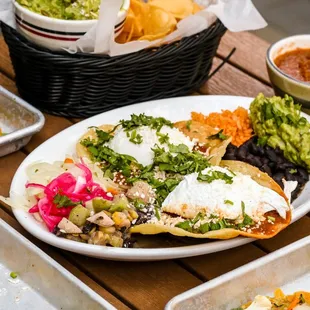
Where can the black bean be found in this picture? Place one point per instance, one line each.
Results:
(289, 176)
(260, 150)
(278, 151)
(230, 157)
(278, 178)
(129, 243)
(254, 148)
(88, 227)
(242, 152)
(254, 160)
(272, 165)
(271, 154)
(303, 173)
(143, 218)
(266, 168)
(286, 165)
(265, 160)
(299, 179)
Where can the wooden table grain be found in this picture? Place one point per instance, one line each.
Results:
(151, 285)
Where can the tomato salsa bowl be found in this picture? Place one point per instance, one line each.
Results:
(288, 65)
(54, 33)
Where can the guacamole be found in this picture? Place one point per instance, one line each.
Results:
(278, 123)
(64, 9)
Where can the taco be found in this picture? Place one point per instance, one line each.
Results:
(209, 139)
(223, 202)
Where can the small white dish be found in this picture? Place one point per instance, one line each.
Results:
(174, 109)
(282, 82)
(56, 34)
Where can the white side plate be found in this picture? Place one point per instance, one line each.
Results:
(174, 109)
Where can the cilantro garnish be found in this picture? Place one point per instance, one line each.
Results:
(301, 299)
(188, 125)
(181, 148)
(219, 135)
(215, 175)
(64, 201)
(163, 138)
(188, 225)
(247, 220)
(228, 202)
(157, 214)
(183, 163)
(293, 171)
(142, 120)
(104, 136)
(135, 137)
(271, 219)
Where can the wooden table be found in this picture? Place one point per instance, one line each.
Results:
(152, 285)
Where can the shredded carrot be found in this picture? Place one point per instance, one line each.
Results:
(294, 302)
(236, 124)
(68, 161)
(113, 191)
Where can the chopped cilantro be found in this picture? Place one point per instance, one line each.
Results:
(219, 135)
(103, 136)
(181, 148)
(157, 214)
(135, 137)
(13, 275)
(247, 220)
(186, 225)
(271, 219)
(142, 120)
(36, 170)
(204, 228)
(138, 204)
(293, 171)
(112, 160)
(64, 201)
(301, 299)
(228, 202)
(163, 138)
(188, 125)
(215, 175)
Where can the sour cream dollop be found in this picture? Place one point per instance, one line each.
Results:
(219, 198)
(143, 152)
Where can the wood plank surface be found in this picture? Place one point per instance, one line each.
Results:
(152, 285)
(250, 54)
(231, 81)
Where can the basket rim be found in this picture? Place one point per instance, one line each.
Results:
(212, 31)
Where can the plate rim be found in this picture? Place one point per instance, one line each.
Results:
(136, 254)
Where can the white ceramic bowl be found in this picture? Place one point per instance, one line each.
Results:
(283, 83)
(57, 34)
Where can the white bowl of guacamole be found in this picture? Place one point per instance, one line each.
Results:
(56, 24)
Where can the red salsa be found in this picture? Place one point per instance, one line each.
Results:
(295, 63)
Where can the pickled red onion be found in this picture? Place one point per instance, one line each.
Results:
(78, 189)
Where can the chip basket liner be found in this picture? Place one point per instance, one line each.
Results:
(83, 85)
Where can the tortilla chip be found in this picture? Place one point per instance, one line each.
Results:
(154, 229)
(202, 132)
(179, 9)
(81, 150)
(258, 176)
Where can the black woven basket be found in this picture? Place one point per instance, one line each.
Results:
(83, 85)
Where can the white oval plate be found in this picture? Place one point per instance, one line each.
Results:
(63, 143)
